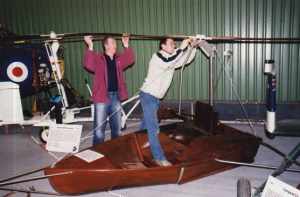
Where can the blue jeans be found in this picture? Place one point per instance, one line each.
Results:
(111, 109)
(150, 105)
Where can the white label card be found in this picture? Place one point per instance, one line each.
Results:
(89, 155)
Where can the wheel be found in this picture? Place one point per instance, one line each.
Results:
(243, 188)
(44, 133)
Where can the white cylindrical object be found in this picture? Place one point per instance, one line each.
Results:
(271, 122)
(10, 106)
(269, 67)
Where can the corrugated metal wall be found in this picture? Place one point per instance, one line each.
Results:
(271, 18)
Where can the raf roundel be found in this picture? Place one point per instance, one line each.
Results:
(17, 72)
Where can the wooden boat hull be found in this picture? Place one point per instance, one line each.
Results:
(127, 164)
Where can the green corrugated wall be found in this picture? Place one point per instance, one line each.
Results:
(256, 18)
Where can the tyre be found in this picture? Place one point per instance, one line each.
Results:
(44, 133)
(243, 188)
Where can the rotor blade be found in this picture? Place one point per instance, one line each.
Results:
(253, 39)
(254, 165)
(30, 191)
(23, 174)
(75, 37)
(34, 178)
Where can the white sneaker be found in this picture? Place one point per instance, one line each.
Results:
(163, 163)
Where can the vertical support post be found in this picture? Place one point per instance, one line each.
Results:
(211, 80)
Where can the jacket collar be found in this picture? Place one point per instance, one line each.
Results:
(165, 54)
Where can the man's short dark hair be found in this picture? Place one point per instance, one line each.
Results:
(164, 41)
(104, 41)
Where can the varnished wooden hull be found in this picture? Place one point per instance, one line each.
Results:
(127, 164)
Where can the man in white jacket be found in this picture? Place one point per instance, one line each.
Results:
(160, 74)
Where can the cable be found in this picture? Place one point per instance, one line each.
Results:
(234, 87)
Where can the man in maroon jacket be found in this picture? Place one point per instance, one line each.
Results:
(109, 87)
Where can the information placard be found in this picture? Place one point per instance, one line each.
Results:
(64, 138)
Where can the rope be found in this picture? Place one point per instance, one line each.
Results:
(181, 80)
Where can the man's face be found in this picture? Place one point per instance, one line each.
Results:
(111, 45)
(169, 46)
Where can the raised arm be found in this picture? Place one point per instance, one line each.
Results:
(89, 58)
(180, 55)
(187, 57)
(127, 57)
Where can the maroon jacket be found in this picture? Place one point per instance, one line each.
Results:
(95, 62)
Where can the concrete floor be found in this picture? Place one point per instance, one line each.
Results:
(19, 153)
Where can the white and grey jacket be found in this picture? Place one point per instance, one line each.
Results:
(161, 70)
